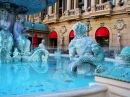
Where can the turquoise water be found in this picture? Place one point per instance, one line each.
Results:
(39, 77)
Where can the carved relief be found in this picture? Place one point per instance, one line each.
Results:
(102, 24)
(120, 24)
(47, 17)
(66, 13)
(92, 8)
(77, 11)
(63, 29)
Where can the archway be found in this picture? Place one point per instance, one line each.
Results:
(71, 35)
(102, 36)
(53, 39)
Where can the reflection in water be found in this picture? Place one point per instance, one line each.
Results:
(39, 77)
(40, 67)
(18, 77)
(61, 69)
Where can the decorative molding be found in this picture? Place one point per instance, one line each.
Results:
(102, 24)
(120, 24)
(63, 29)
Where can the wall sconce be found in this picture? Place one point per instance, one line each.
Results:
(88, 26)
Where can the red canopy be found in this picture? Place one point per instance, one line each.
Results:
(53, 34)
(102, 32)
(35, 41)
(71, 34)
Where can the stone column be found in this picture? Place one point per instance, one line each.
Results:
(93, 5)
(114, 2)
(56, 9)
(50, 10)
(56, 5)
(85, 5)
(92, 2)
(100, 1)
(68, 4)
(125, 1)
(75, 4)
(117, 3)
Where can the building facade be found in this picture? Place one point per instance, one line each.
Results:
(109, 21)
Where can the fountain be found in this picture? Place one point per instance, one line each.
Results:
(86, 55)
(14, 46)
(121, 69)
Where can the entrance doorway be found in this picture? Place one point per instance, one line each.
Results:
(53, 39)
(102, 36)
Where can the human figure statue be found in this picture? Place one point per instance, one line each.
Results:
(6, 38)
(118, 38)
(62, 40)
(42, 44)
(85, 54)
(80, 41)
(21, 42)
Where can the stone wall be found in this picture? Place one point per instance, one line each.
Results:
(109, 23)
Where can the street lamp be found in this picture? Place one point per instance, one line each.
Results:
(88, 26)
(33, 24)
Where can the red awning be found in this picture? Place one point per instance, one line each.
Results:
(102, 32)
(53, 34)
(71, 34)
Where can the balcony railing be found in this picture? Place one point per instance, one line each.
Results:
(51, 18)
(101, 9)
(72, 14)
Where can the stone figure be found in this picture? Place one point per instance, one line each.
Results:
(80, 41)
(6, 38)
(118, 38)
(125, 54)
(85, 54)
(121, 69)
(37, 55)
(42, 44)
(21, 42)
(61, 40)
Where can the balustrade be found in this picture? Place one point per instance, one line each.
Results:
(104, 6)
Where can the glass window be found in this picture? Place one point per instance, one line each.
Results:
(89, 3)
(81, 4)
(53, 8)
(60, 8)
(103, 41)
(112, 1)
(72, 4)
(97, 1)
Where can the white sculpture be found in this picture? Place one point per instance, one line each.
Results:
(85, 54)
(118, 38)
(42, 44)
(6, 38)
(78, 42)
(22, 43)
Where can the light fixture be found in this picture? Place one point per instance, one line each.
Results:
(88, 26)
(33, 24)
(87, 22)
